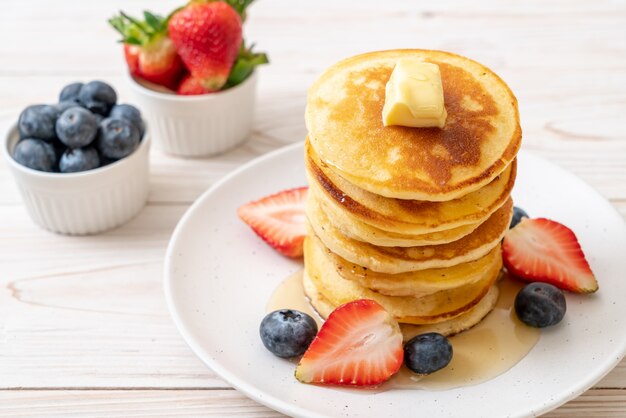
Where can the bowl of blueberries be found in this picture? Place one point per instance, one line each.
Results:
(82, 164)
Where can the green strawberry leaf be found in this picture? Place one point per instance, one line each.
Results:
(118, 24)
(134, 22)
(137, 32)
(154, 21)
(244, 65)
(132, 40)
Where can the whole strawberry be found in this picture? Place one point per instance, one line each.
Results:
(149, 52)
(208, 37)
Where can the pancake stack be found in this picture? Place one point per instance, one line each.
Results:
(409, 217)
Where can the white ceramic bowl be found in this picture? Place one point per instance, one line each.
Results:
(87, 202)
(197, 126)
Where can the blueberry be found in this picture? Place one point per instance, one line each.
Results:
(130, 113)
(117, 138)
(427, 353)
(77, 127)
(518, 214)
(98, 97)
(36, 154)
(70, 92)
(38, 121)
(540, 305)
(79, 159)
(287, 332)
(68, 104)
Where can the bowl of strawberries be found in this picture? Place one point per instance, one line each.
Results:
(192, 75)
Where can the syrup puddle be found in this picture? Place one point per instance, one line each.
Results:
(482, 353)
(290, 295)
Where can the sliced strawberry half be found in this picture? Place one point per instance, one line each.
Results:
(541, 250)
(150, 54)
(360, 344)
(190, 86)
(279, 219)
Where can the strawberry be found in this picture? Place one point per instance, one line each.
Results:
(547, 251)
(360, 344)
(190, 86)
(149, 52)
(208, 37)
(279, 220)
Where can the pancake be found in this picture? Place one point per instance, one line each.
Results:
(429, 309)
(394, 260)
(410, 216)
(449, 327)
(480, 139)
(418, 283)
(360, 231)
(457, 324)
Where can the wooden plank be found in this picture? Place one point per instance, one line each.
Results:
(98, 320)
(175, 180)
(130, 403)
(554, 90)
(181, 181)
(90, 311)
(278, 122)
(172, 180)
(596, 403)
(445, 25)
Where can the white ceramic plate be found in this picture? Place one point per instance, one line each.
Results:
(219, 276)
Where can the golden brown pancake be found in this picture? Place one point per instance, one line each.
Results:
(409, 216)
(417, 283)
(394, 260)
(351, 227)
(479, 140)
(448, 327)
(428, 309)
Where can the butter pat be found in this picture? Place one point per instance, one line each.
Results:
(414, 95)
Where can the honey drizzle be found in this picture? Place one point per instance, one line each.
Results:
(482, 353)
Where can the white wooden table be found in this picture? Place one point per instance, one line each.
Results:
(84, 330)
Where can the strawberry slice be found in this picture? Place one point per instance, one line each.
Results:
(360, 344)
(541, 250)
(279, 220)
(149, 52)
(190, 86)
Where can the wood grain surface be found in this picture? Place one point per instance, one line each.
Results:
(84, 330)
